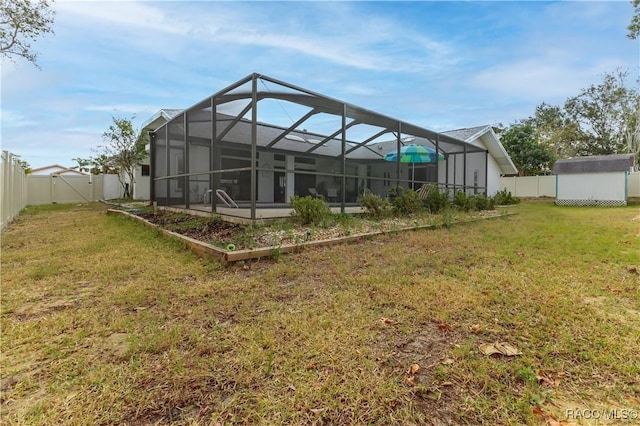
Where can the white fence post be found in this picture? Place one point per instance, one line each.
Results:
(12, 188)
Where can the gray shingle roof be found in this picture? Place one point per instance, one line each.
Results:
(595, 164)
(466, 133)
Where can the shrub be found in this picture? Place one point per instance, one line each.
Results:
(461, 201)
(504, 197)
(436, 200)
(394, 191)
(374, 205)
(482, 202)
(310, 211)
(407, 202)
(473, 202)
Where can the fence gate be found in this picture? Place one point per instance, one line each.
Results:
(71, 189)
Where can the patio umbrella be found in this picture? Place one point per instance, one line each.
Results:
(414, 154)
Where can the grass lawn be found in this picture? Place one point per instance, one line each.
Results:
(105, 322)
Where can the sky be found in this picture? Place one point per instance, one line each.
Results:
(442, 65)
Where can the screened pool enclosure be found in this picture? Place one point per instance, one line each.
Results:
(256, 143)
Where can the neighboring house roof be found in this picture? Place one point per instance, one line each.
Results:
(595, 164)
(491, 141)
(160, 117)
(55, 169)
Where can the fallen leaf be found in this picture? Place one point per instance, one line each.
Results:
(203, 411)
(444, 326)
(410, 380)
(538, 411)
(475, 328)
(386, 320)
(413, 369)
(446, 384)
(545, 380)
(499, 348)
(447, 361)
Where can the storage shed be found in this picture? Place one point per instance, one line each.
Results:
(593, 181)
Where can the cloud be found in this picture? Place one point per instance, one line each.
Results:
(11, 118)
(436, 64)
(133, 15)
(123, 108)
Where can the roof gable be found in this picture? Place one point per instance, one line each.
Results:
(55, 169)
(489, 140)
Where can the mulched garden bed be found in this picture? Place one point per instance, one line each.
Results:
(217, 232)
(196, 227)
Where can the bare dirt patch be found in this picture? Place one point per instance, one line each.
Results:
(43, 307)
(116, 346)
(619, 312)
(424, 358)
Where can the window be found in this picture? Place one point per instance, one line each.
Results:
(476, 173)
(146, 170)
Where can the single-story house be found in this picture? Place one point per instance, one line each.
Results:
(593, 181)
(260, 141)
(500, 163)
(56, 170)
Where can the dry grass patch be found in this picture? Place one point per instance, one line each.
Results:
(105, 322)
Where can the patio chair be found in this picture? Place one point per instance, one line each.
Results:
(425, 190)
(313, 192)
(332, 194)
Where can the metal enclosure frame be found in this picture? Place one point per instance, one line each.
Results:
(221, 143)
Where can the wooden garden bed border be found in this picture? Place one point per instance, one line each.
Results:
(209, 251)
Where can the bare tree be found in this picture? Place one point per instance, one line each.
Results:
(632, 138)
(21, 23)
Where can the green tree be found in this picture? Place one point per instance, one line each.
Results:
(529, 156)
(25, 166)
(634, 26)
(556, 129)
(124, 151)
(84, 164)
(102, 164)
(604, 113)
(21, 23)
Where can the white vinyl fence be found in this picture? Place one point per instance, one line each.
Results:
(13, 188)
(72, 189)
(545, 186)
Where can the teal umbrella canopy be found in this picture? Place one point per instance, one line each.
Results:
(414, 154)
